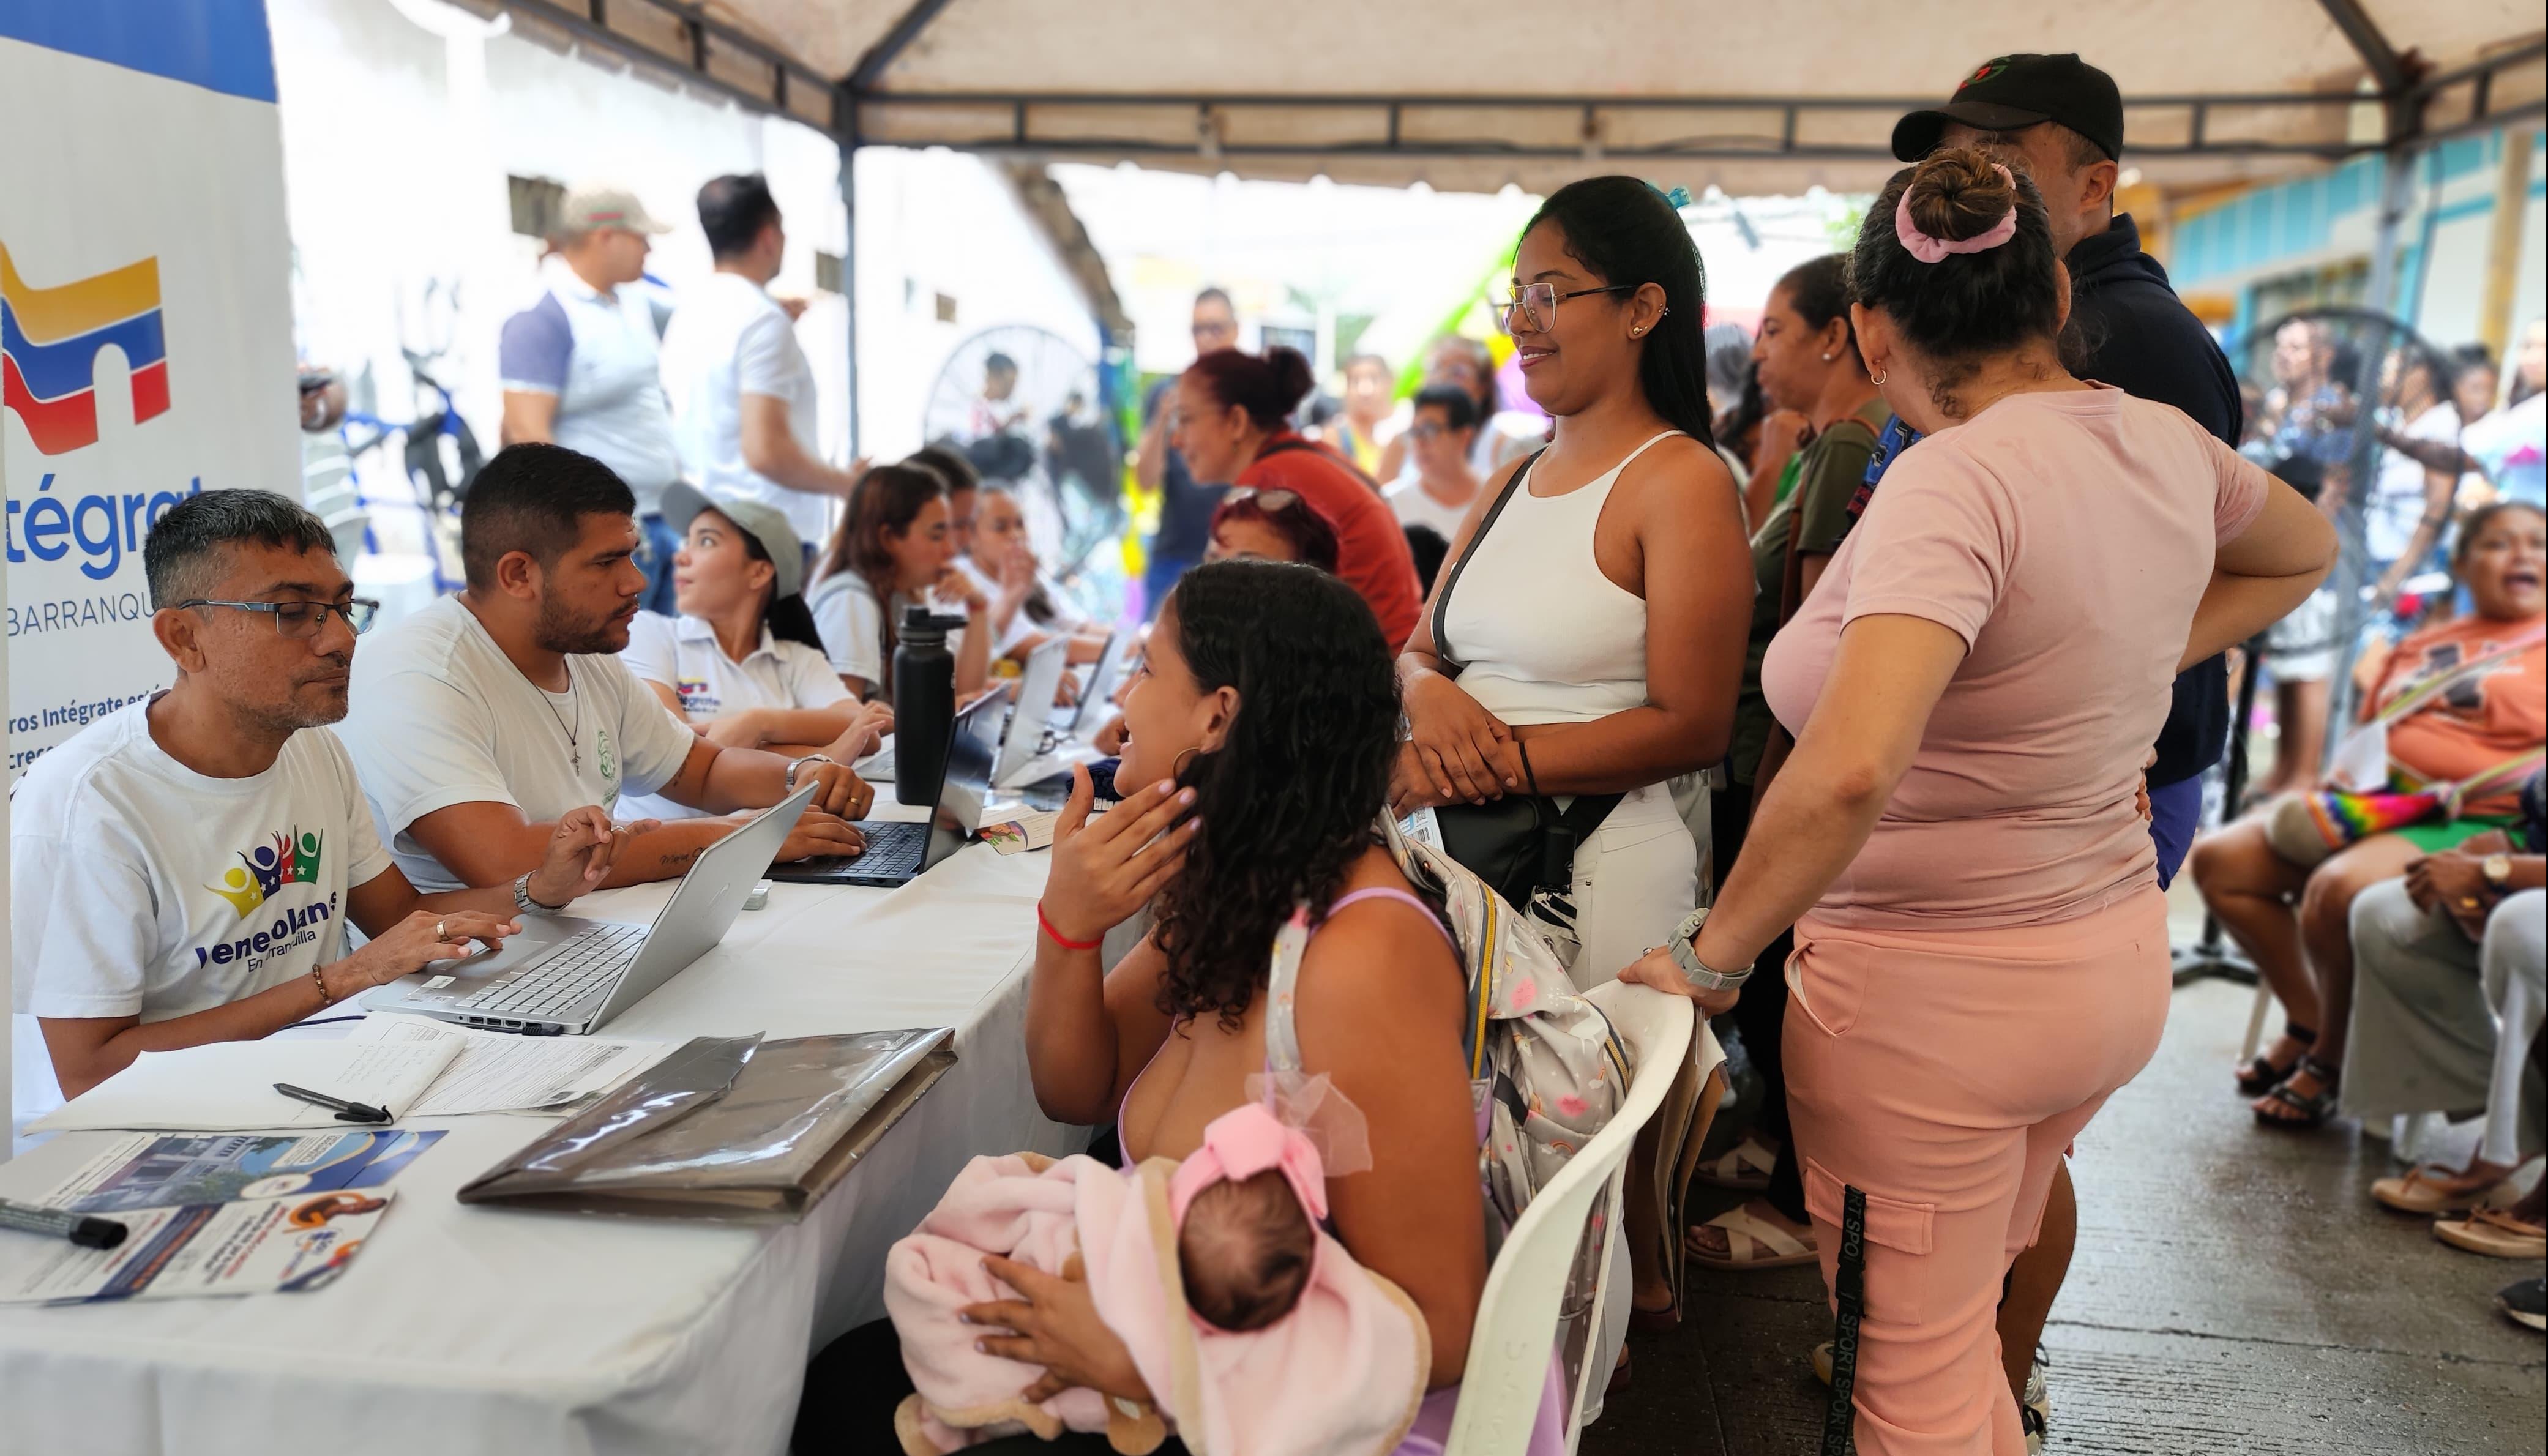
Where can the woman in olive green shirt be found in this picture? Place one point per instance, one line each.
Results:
(1810, 364)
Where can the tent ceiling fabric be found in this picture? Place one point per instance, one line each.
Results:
(1682, 91)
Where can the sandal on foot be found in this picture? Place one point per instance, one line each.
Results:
(2311, 1109)
(2431, 1188)
(1642, 1320)
(2494, 1233)
(2260, 1076)
(1753, 1243)
(1746, 1167)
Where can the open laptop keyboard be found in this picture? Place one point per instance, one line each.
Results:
(892, 849)
(569, 973)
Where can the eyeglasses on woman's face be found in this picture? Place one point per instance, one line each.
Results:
(302, 618)
(1534, 308)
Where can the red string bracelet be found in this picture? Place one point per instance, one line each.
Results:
(1044, 923)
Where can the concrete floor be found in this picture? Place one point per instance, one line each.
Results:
(2235, 1291)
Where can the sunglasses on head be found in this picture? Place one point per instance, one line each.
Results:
(1270, 501)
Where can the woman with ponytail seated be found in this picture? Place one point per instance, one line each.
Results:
(742, 663)
(1231, 423)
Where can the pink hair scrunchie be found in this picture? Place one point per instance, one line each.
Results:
(1930, 249)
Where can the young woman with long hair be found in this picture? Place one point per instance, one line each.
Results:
(1596, 623)
(894, 548)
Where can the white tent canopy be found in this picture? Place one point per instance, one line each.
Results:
(1475, 94)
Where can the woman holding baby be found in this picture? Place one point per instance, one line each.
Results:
(1261, 730)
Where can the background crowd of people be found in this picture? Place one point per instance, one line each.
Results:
(1873, 712)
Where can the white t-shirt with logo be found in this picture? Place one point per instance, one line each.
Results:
(729, 338)
(443, 717)
(682, 653)
(141, 887)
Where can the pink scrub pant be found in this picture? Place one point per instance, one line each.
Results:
(1943, 1072)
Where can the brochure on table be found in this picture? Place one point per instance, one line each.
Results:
(249, 1246)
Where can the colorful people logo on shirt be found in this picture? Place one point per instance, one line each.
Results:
(291, 857)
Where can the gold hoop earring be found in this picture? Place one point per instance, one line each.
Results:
(1877, 379)
(1177, 765)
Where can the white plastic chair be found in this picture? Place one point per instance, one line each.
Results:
(1516, 1323)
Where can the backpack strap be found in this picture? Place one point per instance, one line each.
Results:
(1451, 665)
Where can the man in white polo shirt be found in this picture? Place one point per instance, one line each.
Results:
(481, 719)
(181, 870)
(742, 392)
(581, 368)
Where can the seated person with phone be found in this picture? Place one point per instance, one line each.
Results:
(482, 719)
(181, 869)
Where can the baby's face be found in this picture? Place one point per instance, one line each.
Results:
(1245, 1249)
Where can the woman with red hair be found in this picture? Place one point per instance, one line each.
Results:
(1232, 422)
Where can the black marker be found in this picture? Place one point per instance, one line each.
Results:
(346, 1111)
(79, 1228)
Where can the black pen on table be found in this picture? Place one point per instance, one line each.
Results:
(346, 1111)
(86, 1231)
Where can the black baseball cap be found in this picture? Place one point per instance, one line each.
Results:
(2008, 92)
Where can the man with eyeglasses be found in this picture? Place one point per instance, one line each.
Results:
(1185, 503)
(181, 870)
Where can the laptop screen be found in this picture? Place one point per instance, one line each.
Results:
(967, 790)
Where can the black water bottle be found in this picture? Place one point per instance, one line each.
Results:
(924, 706)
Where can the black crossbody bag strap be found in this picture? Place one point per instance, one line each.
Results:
(1848, 1289)
(1451, 665)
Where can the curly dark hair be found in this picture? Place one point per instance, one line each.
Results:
(1288, 801)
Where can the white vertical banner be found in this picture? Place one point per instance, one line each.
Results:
(145, 324)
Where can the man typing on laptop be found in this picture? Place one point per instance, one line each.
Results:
(181, 869)
(484, 717)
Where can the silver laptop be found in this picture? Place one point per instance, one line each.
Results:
(1037, 686)
(1101, 683)
(563, 975)
(901, 850)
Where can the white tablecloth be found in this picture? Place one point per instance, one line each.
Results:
(467, 1330)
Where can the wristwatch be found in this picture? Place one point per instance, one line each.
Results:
(1685, 953)
(797, 764)
(2498, 869)
(523, 902)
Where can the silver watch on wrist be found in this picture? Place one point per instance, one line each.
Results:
(1685, 953)
(523, 902)
(796, 763)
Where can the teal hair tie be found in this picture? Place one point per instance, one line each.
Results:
(1676, 199)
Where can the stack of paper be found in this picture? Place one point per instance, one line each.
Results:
(496, 1071)
(229, 1086)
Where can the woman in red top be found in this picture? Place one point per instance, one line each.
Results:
(1232, 424)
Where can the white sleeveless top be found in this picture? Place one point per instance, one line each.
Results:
(1546, 636)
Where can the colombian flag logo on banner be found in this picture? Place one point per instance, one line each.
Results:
(51, 339)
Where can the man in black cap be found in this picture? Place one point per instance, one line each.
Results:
(2061, 121)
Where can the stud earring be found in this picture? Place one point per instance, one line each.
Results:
(1826, 358)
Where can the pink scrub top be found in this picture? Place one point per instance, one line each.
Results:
(2067, 537)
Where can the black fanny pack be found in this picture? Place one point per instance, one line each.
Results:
(1520, 843)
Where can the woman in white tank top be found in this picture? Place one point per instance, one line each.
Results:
(1602, 619)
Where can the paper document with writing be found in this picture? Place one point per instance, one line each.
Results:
(229, 1086)
(153, 1170)
(253, 1246)
(496, 1071)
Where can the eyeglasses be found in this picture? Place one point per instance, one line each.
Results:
(302, 618)
(1427, 431)
(1536, 305)
(1270, 501)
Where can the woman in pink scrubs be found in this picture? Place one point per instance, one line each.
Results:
(1981, 947)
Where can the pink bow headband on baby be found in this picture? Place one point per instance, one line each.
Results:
(1930, 249)
(1242, 1144)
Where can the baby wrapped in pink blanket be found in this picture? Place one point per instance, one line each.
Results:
(1256, 1332)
